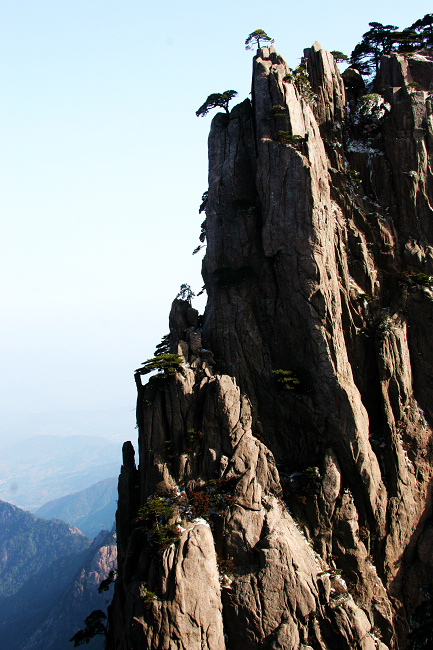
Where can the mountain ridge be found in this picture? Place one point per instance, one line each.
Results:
(90, 510)
(37, 556)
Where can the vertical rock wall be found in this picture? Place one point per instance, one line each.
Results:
(302, 511)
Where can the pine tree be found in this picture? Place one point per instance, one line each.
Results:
(380, 39)
(255, 38)
(216, 100)
(339, 57)
(423, 28)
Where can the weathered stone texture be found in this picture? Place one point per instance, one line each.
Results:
(317, 222)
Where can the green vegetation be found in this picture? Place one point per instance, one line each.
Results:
(216, 100)
(202, 236)
(193, 436)
(166, 364)
(313, 472)
(105, 584)
(354, 176)
(213, 498)
(370, 110)
(421, 33)
(204, 200)
(286, 379)
(339, 57)
(93, 626)
(279, 110)
(153, 518)
(292, 140)
(153, 512)
(384, 327)
(185, 293)
(253, 39)
(416, 279)
(164, 346)
(384, 39)
(148, 599)
(300, 78)
(379, 39)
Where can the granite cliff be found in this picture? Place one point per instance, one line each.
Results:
(284, 475)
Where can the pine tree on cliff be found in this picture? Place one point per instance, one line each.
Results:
(423, 28)
(379, 40)
(216, 100)
(94, 626)
(339, 57)
(255, 38)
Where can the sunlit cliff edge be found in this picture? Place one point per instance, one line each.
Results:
(303, 509)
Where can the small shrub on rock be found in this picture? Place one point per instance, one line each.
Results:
(286, 379)
(300, 78)
(153, 512)
(416, 279)
(153, 518)
(369, 112)
(201, 504)
(292, 140)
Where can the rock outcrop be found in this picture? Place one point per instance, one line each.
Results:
(282, 497)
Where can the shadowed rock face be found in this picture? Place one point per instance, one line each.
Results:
(303, 511)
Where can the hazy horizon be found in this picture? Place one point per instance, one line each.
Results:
(103, 165)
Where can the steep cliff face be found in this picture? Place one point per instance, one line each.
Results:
(302, 496)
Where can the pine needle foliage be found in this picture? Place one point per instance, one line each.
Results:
(300, 77)
(204, 200)
(153, 512)
(166, 364)
(423, 28)
(253, 39)
(339, 57)
(185, 293)
(286, 379)
(164, 346)
(287, 138)
(94, 625)
(216, 100)
(153, 517)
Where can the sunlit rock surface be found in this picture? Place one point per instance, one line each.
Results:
(302, 509)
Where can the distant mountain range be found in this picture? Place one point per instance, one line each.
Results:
(44, 468)
(38, 559)
(91, 510)
(79, 599)
(49, 575)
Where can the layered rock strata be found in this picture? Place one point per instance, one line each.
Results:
(292, 447)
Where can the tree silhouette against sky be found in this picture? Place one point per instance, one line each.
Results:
(255, 38)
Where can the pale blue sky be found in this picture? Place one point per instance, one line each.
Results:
(102, 166)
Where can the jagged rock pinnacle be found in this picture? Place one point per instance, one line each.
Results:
(296, 514)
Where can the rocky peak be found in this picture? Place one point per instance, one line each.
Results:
(284, 470)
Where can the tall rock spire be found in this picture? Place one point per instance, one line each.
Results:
(281, 493)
